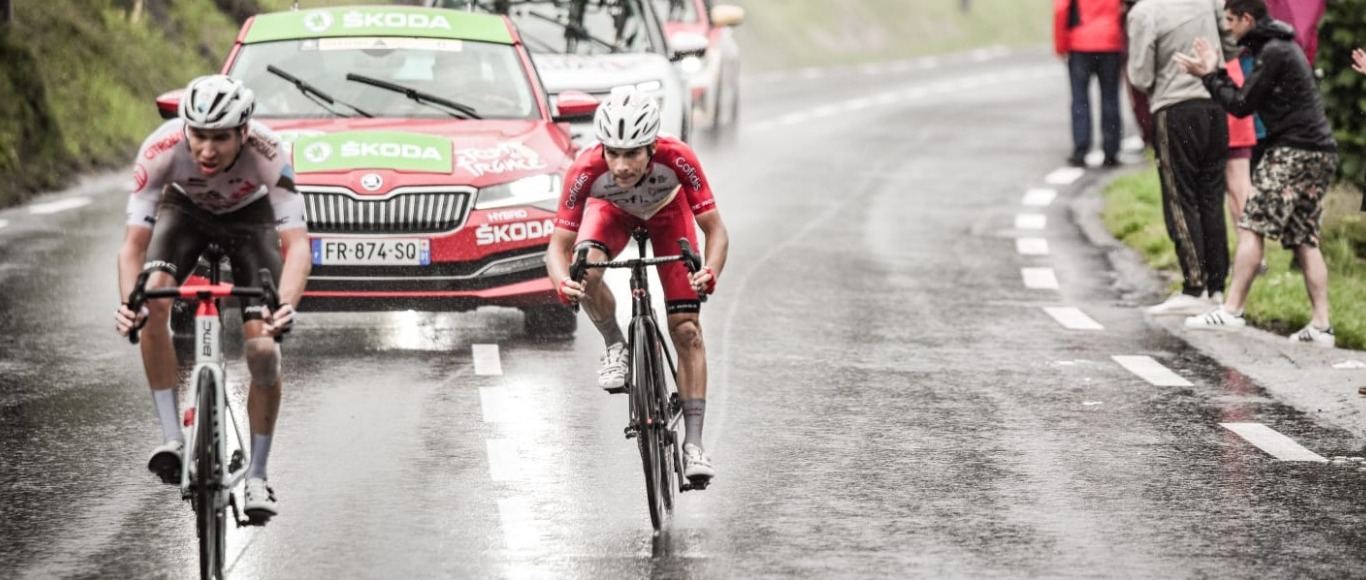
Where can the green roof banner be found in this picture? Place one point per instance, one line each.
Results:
(373, 150)
(378, 21)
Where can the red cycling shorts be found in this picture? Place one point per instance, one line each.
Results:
(609, 228)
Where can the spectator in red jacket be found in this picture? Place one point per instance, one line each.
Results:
(1089, 35)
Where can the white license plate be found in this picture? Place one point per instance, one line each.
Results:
(372, 252)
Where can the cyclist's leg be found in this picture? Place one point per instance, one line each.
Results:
(605, 230)
(685, 329)
(177, 240)
(256, 245)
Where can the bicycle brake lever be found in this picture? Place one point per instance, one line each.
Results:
(577, 269)
(136, 298)
(692, 260)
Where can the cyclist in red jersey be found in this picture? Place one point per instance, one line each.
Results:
(634, 176)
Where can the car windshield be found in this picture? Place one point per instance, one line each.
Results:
(677, 10)
(583, 27)
(486, 77)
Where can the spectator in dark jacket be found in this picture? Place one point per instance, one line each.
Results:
(1298, 165)
(1088, 34)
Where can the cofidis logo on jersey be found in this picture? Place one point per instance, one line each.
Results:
(373, 150)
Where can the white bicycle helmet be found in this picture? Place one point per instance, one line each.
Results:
(216, 102)
(627, 119)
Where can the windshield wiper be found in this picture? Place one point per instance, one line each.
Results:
(575, 31)
(453, 108)
(314, 93)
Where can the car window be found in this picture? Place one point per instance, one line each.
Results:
(574, 26)
(487, 77)
(677, 10)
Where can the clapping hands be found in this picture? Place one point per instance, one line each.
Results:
(1359, 61)
(1205, 60)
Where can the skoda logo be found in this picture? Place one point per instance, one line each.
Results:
(318, 152)
(318, 21)
(371, 181)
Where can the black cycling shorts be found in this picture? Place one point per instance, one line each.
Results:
(247, 236)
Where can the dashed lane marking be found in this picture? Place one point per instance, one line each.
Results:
(1274, 443)
(1039, 278)
(1032, 246)
(1039, 197)
(1152, 371)
(486, 360)
(504, 463)
(1072, 318)
(59, 205)
(1030, 221)
(3, 223)
(1064, 175)
(521, 531)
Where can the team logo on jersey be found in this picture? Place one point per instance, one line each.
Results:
(318, 152)
(318, 21)
(371, 181)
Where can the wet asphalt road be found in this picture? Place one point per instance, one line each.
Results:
(888, 398)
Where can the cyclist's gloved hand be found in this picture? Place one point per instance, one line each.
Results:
(126, 320)
(704, 281)
(279, 321)
(570, 292)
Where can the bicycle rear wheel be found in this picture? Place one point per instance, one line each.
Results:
(646, 383)
(210, 517)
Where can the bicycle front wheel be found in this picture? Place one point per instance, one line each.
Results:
(646, 382)
(210, 515)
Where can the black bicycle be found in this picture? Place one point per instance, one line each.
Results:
(206, 479)
(655, 408)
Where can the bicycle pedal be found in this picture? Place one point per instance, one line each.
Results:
(616, 391)
(698, 483)
(631, 432)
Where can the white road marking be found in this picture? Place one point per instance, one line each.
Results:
(1272, 442)
(857, 104)
(810, 73)
(3, 223)
(1032, 246)
(793, 118)
(1039, 197)
(521, 531)
(59, 205)
(1072, 318)
(1152, 371)
(1064, 175)
(928, 62)
(486, 360)
(1039, 278)
(504, 463)
(1031, 221)
(496, 403)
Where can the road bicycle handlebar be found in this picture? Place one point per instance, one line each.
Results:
(691, 260)
(198, 292)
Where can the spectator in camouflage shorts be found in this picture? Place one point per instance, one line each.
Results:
(1296, 170)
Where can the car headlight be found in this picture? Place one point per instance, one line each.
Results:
(649, 86)
(690, 65)
(542, 191)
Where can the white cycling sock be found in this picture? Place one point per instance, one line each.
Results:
(167, 402)
(260, 452)
(693, 412)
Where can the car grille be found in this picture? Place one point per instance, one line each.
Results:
(424, 210)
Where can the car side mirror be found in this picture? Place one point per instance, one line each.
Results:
(727, 15)
(573, 105)
(168, 103)
(685, 44)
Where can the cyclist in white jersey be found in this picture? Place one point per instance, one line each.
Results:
(235, 190)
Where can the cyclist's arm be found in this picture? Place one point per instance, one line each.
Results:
(717, 245)
(132, 255)
(298, 263)
(558, 256)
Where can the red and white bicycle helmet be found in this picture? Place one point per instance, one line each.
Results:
(216, 102)
(627, 119)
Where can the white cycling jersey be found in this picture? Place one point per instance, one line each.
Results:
(261, 169)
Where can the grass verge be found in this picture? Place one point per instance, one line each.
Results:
(1277, 301)
(785, 33)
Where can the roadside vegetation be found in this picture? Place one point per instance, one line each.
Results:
(1277, 301)
(786, 33)
(79, 78)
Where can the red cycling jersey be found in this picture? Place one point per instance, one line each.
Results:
(673, 165)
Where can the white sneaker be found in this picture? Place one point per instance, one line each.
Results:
(259, 501)
(1309, 333)
(612, 373)
(165, 461)
(1217, 318)
(1180, 303)
(696, 464)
